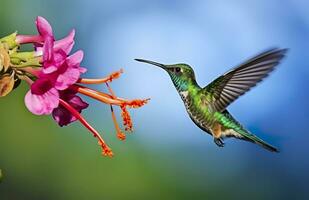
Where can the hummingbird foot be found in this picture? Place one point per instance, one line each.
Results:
(219, 142)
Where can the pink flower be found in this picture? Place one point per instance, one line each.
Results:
(45, 37)
(51, 92)
(58, 81)
(44, 28)
(61, 114)
(59, 72)
(44, 96)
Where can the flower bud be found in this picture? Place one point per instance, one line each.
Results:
(6, 84)
(4, 59)
(10, 40)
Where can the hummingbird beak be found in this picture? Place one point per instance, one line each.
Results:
(152, 63)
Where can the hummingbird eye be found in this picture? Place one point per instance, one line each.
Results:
(178, 69)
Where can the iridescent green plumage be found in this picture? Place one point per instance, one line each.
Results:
(207, 106)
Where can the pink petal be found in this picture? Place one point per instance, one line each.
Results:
(62, 116)
(78, 103)
(38, 51)
(42, 104)
(54, 64)
(42, 85)
(48, 49)
(49, 68)
(75, 59)
(82, 70)
(68, 78)
(43, 27)
(65, 44)
(59, 57)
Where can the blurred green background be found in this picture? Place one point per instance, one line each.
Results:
(167, 157)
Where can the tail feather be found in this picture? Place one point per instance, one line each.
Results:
(241, 133)
(253, 138)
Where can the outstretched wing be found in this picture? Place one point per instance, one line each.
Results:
(228, 87)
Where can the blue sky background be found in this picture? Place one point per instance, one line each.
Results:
(167, 157)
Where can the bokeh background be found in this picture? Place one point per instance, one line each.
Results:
(167, 157)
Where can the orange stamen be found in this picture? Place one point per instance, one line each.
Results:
(107, 79)
(100, 96)
(111, 91)
(127, 121)
(108, 99)
(136, 103)
(120, 134)
(114, 100)
(106, 151)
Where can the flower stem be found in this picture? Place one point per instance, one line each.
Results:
(27, 79)
(106, 151)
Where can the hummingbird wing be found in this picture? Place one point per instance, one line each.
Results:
(234, 83)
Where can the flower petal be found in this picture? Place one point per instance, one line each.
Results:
(78, 103)
(42, 104)
(43, 27)
(49, 68)
(62, 116)
(48, 49)
(54, 64)
(75, 59)
(59, 57)
(65, 44)
(82, 69)
(42, 85)
(67, 78)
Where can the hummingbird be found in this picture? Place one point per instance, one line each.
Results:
(207, 106)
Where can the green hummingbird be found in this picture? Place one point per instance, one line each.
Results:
(207, 106)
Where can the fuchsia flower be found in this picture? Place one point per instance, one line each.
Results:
(44, 94)
(45, 35)
(59, 72)
(62, 115)
(57, 83)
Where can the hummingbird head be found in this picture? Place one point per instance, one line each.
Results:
(181, 74)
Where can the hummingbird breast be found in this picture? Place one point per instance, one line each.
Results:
(198, 111)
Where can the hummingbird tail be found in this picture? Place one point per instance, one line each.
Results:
(253, 138)
(240, 132)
